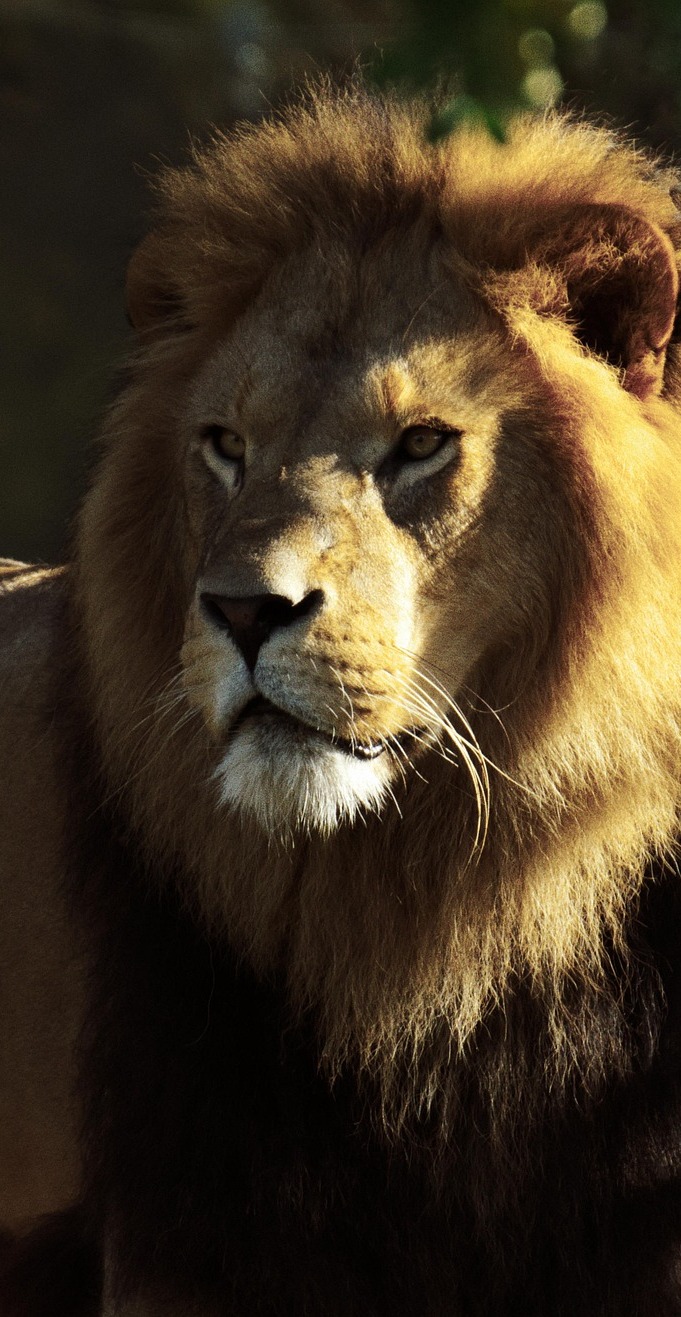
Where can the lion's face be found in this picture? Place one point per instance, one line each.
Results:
(350, 458)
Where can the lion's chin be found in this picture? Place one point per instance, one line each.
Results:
(287, 778)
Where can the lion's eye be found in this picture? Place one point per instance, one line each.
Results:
(228, 445)
(421, 441)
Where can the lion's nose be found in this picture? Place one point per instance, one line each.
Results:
(252, 619)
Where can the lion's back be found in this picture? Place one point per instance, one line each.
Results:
(40, 987)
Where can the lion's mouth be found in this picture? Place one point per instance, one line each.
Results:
(260, 707)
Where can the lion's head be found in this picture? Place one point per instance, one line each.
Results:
(337, 464)
(379, 574)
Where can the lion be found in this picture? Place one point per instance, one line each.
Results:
(339, 862)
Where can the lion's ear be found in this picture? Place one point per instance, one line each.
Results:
(621, 282)
(151, 301)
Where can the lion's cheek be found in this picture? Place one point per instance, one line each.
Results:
(452, 636)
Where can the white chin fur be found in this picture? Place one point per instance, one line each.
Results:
(290, 781)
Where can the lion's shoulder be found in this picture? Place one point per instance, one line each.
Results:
(31, 606)
(31, 618)
(31, 612)
(39, 1001)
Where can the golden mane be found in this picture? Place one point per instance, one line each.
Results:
(399, 932)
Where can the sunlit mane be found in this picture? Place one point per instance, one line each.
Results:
(502, 834)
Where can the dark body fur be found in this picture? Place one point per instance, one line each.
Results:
(53, 1272)
(221, 1163)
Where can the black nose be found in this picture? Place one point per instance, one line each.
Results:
(251, 620)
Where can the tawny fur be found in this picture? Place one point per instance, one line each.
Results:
(401, 929)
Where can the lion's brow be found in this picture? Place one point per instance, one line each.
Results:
(396, 389)
(244, 388)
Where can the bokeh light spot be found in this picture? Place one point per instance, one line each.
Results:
(536, 47)
(542, 86)
(250, 58)
(587, 20)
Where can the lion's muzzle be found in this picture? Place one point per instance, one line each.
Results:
(259, 707)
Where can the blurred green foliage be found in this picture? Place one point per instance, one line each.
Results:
(94, 92)
(504, 54)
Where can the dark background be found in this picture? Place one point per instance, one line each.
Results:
(93, 95)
